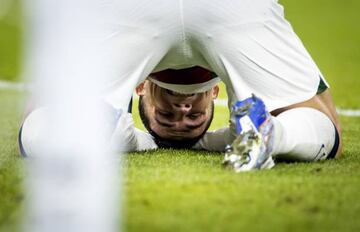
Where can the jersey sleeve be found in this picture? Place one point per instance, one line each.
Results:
(144, 141)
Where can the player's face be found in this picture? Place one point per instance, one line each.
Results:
(177, 116)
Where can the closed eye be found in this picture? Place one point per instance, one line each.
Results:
(194, 116)
(165, 114)
(164, 124)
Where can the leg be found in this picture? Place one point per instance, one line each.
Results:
(323, 116)
(255, 50)
(71, 178)
(304, 134)
(301, 133)
(80, 48)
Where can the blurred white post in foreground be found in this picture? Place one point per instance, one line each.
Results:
(72, 184)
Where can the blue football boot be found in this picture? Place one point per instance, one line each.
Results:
(251, 150)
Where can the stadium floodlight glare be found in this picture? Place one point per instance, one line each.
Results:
(72, 184)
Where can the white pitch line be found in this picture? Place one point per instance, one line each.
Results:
(7, 85)
(348, 112)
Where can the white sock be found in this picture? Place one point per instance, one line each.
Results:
(303, 134)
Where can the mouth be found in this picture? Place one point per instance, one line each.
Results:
(173, 93)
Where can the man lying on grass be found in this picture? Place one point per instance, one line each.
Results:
(177, 107)
(278, 99)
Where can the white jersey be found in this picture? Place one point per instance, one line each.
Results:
(247, 43)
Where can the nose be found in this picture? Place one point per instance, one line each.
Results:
(183, 107)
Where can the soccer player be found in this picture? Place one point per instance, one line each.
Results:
(176, 107)
(251, 47)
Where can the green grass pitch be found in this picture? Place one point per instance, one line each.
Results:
(169, 190)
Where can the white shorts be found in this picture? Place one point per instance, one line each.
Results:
(248, 43)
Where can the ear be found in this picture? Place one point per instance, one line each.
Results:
(140, 89)
(215, 91)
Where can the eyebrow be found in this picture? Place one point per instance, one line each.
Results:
(191, 127)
